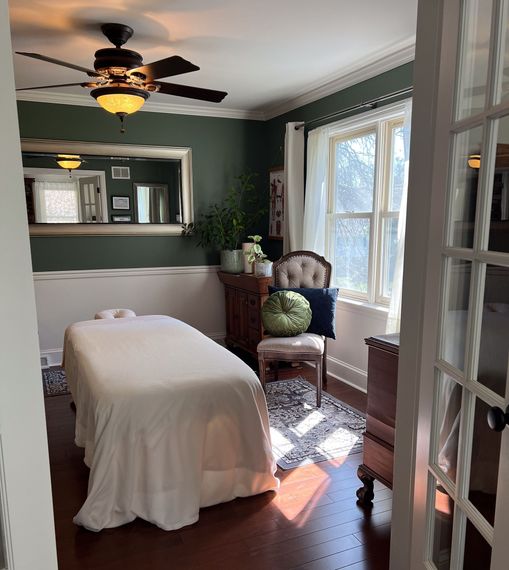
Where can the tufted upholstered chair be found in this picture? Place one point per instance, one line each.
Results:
(298, 269)
(114, 314)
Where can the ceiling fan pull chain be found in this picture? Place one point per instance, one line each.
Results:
(122, 125)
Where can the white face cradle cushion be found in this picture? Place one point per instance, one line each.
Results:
(114, 314)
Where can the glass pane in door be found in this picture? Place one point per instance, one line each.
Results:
(473, 68)
(484, 463)
(504, 60)
(463, 193)
(477, 553)
(448, 396)
(499, 214)
(442, 527)
(456, 312)
(494, 343)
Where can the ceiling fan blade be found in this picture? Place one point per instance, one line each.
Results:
(90, 72)
(191, 92)
(50, 86)
(174, 65)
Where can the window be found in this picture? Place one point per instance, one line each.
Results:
(56, 202)
(367, 173)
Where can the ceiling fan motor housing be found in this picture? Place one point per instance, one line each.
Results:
(115, 57)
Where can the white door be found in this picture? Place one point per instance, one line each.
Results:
(90, 199)
(459, 502)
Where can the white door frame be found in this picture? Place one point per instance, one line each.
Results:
(25, 488)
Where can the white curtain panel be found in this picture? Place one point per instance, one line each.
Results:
(315, 209)
(294, 187)
(394, 317)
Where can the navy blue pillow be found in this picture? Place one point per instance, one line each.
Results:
(323, 307)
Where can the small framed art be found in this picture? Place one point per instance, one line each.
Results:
(277, 202)
(120, 202)
(121, 219)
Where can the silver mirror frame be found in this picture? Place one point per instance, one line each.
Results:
(124, 150)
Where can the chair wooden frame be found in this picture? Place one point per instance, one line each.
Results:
(320, 360)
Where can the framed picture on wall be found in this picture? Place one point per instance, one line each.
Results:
(120, 202)
(277, 202)
(121, 219)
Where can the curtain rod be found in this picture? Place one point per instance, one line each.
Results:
(372, 103)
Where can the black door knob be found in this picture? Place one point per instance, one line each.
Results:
(497, 418)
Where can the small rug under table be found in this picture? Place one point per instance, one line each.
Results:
(302, 433)
(54, 382)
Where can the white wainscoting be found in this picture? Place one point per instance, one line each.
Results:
(191, 294)
(348, 354)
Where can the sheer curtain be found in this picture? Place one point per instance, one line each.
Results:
(294, 187)
(56, 202)
(315, 209)
(394, 317)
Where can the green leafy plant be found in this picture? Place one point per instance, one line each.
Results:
(255, 253)
(224, 225)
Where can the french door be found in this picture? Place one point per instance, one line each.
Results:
(464, 477)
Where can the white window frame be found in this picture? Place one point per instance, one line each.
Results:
(380, 121)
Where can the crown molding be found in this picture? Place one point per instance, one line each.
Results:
(383, 61)
(150, 106)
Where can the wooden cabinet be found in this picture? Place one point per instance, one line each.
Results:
(244, 297)
(378, 455)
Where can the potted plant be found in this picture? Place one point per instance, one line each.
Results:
(255, 255)
(223, 225)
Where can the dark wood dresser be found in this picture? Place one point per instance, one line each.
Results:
(244, 297)
(378, 456)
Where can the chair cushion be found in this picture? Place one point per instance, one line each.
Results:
(301, 271)
(323, 308)
(114, 314)
(306, 342)
(286, 313)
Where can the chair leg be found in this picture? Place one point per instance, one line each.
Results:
(276, 370)
(319, 383)
(324, 365)
(261, 371)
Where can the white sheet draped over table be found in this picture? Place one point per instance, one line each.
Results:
(170, 422)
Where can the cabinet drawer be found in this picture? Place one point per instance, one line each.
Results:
(378, 457)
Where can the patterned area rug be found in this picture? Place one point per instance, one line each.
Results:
(54, 382)
(302, 433)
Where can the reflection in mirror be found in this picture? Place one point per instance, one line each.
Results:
(93, 192)
(106, 189)
(153, 204)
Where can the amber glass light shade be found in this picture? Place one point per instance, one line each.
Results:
(69, 161)
(120, 101)
(474, 161)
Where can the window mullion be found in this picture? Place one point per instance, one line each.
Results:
(376, 242)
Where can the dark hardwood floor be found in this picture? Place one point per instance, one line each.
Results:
(313, 522)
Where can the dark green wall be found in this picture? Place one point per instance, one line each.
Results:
(393, 80)
(222, 149)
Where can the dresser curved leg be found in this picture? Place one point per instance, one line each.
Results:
(365, 493)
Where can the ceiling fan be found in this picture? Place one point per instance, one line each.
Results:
(121, 83)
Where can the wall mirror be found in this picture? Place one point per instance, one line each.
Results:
(79, 188)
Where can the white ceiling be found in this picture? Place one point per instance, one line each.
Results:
(264, 53)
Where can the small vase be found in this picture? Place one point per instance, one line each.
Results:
(232, 260)
(263, 269)
(248, 267)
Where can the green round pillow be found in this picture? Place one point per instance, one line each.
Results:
(286, 313)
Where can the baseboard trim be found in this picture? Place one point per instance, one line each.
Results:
(54, 356)
(347, 373)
